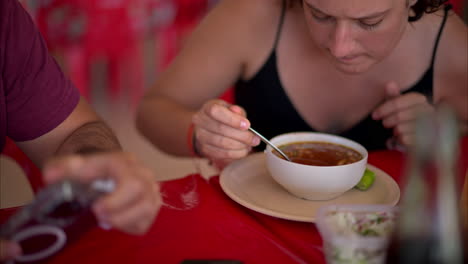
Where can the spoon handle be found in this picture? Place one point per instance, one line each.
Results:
(269, 143)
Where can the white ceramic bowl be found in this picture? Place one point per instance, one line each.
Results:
(315, 182)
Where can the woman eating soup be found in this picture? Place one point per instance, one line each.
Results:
(362, 69)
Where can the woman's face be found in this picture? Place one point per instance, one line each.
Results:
(356, 34)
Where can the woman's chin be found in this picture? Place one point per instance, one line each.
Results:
(357, 65)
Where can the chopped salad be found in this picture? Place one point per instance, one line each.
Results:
(355, 228)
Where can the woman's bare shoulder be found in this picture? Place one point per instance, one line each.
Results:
(239, 26)
(452, 42)
(450, 65)
(255, 13)
(454, 34)
(219, 50)
(452, 51)
(265, 6)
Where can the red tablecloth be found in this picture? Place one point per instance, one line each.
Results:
(198, 221)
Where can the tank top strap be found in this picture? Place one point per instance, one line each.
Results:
(280, 25)
(434, 51)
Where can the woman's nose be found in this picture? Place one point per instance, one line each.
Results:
(342, 41)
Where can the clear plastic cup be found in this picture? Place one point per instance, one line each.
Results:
(356, 234)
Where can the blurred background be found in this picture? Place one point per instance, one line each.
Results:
(113, 51)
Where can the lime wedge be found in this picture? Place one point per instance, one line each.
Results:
(366, 181)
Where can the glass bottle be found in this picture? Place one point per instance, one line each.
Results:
(429, 227)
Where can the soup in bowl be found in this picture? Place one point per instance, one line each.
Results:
(322, 166)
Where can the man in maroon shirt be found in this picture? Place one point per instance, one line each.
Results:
(43, 113)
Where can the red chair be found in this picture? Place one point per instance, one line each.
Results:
(85, 31)
(185, 16)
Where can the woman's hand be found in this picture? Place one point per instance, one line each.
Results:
(221, 132)
(399, 112)
(135, 201)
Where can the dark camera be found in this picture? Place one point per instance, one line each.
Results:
(59, 214)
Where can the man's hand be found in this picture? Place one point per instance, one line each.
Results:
(134, 203)
(9, 250)
(399, 112)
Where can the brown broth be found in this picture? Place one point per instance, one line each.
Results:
(319, 153)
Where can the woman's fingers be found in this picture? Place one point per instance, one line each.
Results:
(407, 115)
(221, 131)
(404, 133)
(221, 135)
(215, 152)
(221, 125)
(398, 104)
(238, 110)
(399, 111)
(219, 111)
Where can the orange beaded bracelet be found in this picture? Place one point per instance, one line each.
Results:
(191, 141)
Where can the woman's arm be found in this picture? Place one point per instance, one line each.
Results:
(451, 68)
(213, 58)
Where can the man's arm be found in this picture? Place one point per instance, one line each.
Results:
(134, 203)
(83, 132)
(90, 138)
(49, 122)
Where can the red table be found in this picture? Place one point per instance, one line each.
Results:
(198, 221)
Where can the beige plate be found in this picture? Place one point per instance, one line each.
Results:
(248, 182)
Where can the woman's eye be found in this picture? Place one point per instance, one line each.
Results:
(369, 25)
(321, 17)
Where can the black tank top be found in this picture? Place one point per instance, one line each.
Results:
(272, 113)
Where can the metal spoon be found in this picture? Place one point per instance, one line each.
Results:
(269, 143)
